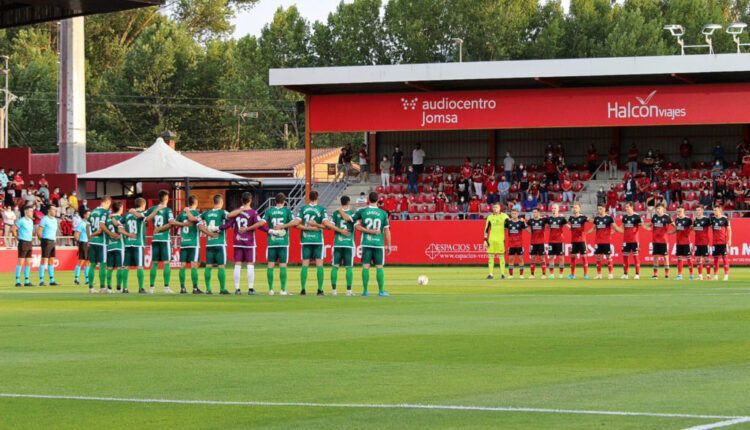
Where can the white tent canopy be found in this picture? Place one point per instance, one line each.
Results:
(160, 163)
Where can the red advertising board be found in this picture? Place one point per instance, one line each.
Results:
(425, 243)
(531, 108)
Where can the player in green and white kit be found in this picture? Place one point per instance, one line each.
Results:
(161, 246)
(310, 220)
(98, 243)
(344, 248)
(191, 227)
(372, 222)
(134, 224)
(279, 219)
(216, 244)
(115, 248)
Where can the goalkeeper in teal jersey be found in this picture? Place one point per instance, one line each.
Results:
(161, 243)
(344, 247)
(279, 219)
(135, 243)
(312, 219)
(494, 240)
(373, 223)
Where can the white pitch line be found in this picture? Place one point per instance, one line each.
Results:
(735, 419)
(720, 424)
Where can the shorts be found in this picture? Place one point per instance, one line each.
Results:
(683, 251)
(496, 247)
(630, 248)
(134, 256)
(342, 256)
(312, 251)
(658, 249)
(83, 251)
(48, 248)
(375, 256)
(537, 250)
(97, 253)
(189, 255)
(578, 248)
(161, 251)
(719, 250)
(555, 249)
(517, 250)
(115, 258)
(24, 249)
(603, 249)
(216, 255)
(278, 254)
(701, 250)
(244, 255)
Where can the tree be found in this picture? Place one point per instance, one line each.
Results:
(418, 31)
(638, 30)
(547, 34)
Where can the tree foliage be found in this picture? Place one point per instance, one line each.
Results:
(178, 67)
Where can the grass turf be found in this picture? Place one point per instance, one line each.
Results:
(650, 346)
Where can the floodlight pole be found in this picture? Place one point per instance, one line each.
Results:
(308, 150)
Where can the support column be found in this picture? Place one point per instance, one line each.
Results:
(308, 150)
(71, 126)
(372, 149)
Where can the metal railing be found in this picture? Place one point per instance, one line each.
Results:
(293, 199)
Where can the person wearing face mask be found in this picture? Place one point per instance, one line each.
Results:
(508, 165)
(601, 197)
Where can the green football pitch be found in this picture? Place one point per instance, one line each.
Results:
(462, 352)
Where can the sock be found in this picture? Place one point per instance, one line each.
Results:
(269, 278)
(109, 278)
(321, 275)
(334, 276)
(125, 273)
(573, 265)
(561, 266)
(610, 266)
(222, 279)
(90, 277)
(502, 265)
(141, 275)
(349, 278)
(303, 278)
(680, 266)
(491, 264)
(152, 274)
(585, 266)
(656, 267)
(511, 268)
(283, 278)
(27, 274)
(637, 265)
(207, 277)
(626, 264)
(182, 277)
(167, 273)
(51, 273)
(380, 276)
(237, 276)
(102, 275)
(77, 273)
(520, 269)
(251, 277)
(725, 260)
(544, 268)
(716, 265)
(533, 268)
(598, 267)
(690, 266)
(194, 276)
(18, 274)
(666, 270)
(365, 279)
(41, 273)
(700, 266)
(86, 272)
(551, 266)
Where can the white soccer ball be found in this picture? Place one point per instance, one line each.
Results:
(213, 229)
(423, 280)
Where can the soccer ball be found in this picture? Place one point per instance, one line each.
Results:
(423, 280)
(213, 229)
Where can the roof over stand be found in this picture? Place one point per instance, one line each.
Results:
(14, 13)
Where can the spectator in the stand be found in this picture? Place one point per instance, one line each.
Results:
(601, 197)
(686, 153)
(20, 184)
(449, 187)
(477, 179)
(675, 189)
(10, 196)
(463, 190)
(417, 159)
(348, 157)
(57, 200)
(633, 159)
(559, 153)
(43, 181)
(3, 179)
(612, 200)
(743, 149)
(32, 188)
(543, 193)
(390, 204)
(717, 169)
(341, 168)
(718, 153)
(530, 203)
(363, 168)
(648, 164)
(550, 171)
(474, 206)
(467, 169)
(441, 202)
(515, 205)
(361, 200)
(592, 159)
(549, 151)
(73, 200)
(631, 189)
(509, 165)
(385, 172)
(613, 160)
(9, 220)
(43, 192)
(489, 169)
(567, 190)
(503, 189)
(534, 191)
(403, 206)
(491, 187)
(398, 160)
(523, 181)
(411, 180)
(746, 166)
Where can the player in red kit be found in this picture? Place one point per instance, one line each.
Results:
(682, 228)
(556, 222)
(722, 240)
(631, 223)
(578, 251)
(537, 226)
(603, 226)
(701, 229)
(514, 228)
(659, 226)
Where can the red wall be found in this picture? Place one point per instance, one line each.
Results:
(16, 159)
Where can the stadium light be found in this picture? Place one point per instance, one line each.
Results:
(736, 29)
(457, 41)
(708, 30)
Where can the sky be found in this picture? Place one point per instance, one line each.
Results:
(251, 22)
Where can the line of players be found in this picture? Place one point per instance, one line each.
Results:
(712, 237)
(115, 242)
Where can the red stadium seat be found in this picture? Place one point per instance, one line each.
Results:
(736, 214)
(486, 208)
(416, 217)
(412, 198)
(564, 208)
(578, 187)
(514, 188)
(585, 176)
(413, 208)
(575, 176)
(672, 207)
(690, 196)
(431, 199)
(421, 199)
(431, 209)
(687, 185)
(684, 174)
(686, 206)
(423, 209)
(620, 187)
(379, 189)
(555, 187)
(558, 198)
(694, 206)
(389, 189)
(640, 207)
